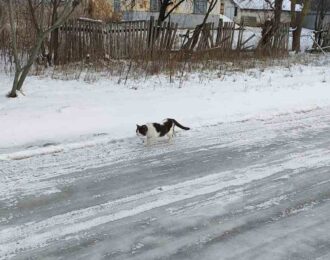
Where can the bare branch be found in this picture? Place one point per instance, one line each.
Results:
(2, 14)
(173, 8)
(270, 3)
(64, 15)
(21, 72)
(13, 35)
(33, 14)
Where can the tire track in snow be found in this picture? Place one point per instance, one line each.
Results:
(51, 170)
(40, 234)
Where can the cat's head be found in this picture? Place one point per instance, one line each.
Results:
(141, 130)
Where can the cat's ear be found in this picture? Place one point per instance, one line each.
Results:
(137, 126)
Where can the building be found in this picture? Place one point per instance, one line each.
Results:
(187, 15)
(318, 15)
(191, 12)
(254, 13)
(309, 20)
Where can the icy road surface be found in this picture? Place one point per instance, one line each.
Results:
(256, 189)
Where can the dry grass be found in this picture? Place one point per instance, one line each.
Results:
(175, 67)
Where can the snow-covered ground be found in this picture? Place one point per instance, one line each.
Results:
(249, 181)
(56, 111)
(248, 190)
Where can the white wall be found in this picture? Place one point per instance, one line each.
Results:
(229, 9)
(261, 16)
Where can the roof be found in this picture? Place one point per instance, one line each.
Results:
(263, 4)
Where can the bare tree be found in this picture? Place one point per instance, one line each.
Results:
(2, 15)
(271, 26)
(91, 8)
(199, 29)
(321, 7)
(276, 6)
(297, 18)
(278, 12)
(53, 44)
(164, 5)
(4, 24)
(22, 67)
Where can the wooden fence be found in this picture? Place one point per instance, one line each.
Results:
(221, 38)
(326, 37)
(280, 41)
(274, 40)
(81, 39)
(323, 37)
(225, 35)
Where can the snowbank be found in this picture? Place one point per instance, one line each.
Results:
(56, 112)
(306, 40)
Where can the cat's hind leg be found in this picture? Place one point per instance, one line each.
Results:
(174, 133)
(170, 137)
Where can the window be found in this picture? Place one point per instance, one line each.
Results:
(200, 6)
(236, 10)
(154, 5)
(249, 20)
(116, 6)
(222, 8)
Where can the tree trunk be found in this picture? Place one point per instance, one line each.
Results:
(297, 33)
(297, 23)
(18, 69)
(162, 11)
(21, 74)
(316, 22)
(278, 12)
(33, 56)
(2, 15)
(12, 93)
(318, 26)
(201, 26)
(53, 48)
(55, 45)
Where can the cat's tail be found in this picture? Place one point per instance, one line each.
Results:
(179, 125)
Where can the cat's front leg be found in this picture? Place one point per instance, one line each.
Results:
(148, 141)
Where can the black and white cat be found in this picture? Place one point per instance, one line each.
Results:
(154, 130)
